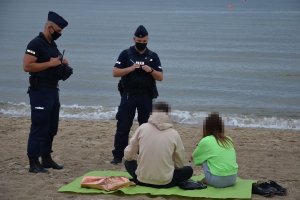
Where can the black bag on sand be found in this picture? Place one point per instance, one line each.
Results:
(268, 189)
(191, 185)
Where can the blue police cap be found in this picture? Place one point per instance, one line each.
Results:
(141, 32)
(57, 19)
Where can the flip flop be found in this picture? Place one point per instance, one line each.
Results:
(263, 188)
(281, 191)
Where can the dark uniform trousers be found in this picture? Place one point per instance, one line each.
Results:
(125, 115)
(45, 108)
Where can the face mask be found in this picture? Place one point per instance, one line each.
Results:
(140, 46)
(55, 35)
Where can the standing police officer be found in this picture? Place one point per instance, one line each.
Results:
(44, 62)
(139, 68)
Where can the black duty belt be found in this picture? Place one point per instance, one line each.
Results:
(38, 82)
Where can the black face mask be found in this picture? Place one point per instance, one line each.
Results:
(55, 35)
(140, 46)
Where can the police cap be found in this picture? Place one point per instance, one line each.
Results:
(57, 19)
(141, 32)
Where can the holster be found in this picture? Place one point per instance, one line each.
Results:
(33, 82)
(154, 91)
(121, 87)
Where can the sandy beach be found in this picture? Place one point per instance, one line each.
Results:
(83, 146)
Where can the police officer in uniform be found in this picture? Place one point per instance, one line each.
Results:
(139, 69)
(43, 61)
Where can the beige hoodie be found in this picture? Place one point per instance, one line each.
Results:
(160, 150)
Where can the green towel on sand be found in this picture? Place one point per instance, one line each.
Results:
(241, 190)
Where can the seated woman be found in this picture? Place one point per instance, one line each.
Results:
(216, 153)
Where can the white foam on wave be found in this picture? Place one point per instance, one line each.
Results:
(15, 109)
(249, 121)
(262, 122)
(88, 112)
(178, 116)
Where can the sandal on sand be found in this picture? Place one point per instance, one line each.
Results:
(268, 189)
(281, 191)
(263, 188)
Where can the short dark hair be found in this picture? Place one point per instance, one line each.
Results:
(161, 107)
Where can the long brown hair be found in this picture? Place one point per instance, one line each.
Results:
(214, 125)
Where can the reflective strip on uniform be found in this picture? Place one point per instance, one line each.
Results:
(30, 51)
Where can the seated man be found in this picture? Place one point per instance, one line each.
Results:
(159, 150)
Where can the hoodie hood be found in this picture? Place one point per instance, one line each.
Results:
(161, 120)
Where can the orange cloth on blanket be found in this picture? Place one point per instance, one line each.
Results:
(105, 183)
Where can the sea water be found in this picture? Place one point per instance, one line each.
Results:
(236, 57)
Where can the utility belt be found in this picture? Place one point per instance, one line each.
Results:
(136, 91)
(38, 82)
(139, 92)
(151, 89)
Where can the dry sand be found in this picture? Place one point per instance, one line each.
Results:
(84, 146)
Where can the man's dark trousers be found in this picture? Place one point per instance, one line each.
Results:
(179, 175)
(45, 108)
(126, 112)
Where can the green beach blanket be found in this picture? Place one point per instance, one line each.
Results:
(241, 190)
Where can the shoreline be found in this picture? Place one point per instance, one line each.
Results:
(174, 122)
(85, 145)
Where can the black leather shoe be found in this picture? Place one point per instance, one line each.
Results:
(35, 166)
(37, 169)
(47, 162)
(116, 161)
(52, 165)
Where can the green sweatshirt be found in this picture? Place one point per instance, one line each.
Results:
(221, 161)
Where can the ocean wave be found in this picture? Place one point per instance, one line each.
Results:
(178, 116)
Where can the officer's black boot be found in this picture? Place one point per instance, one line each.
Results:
(47, 162)
(35, 166)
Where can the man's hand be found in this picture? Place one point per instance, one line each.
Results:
(65, 61)
(147, 68)
(119, 72)
(134, 66)
(54, 62)
(30, 63)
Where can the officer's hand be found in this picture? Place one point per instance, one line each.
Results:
(135, 66)
(54, 62)
(65, 61)
(147, 68)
